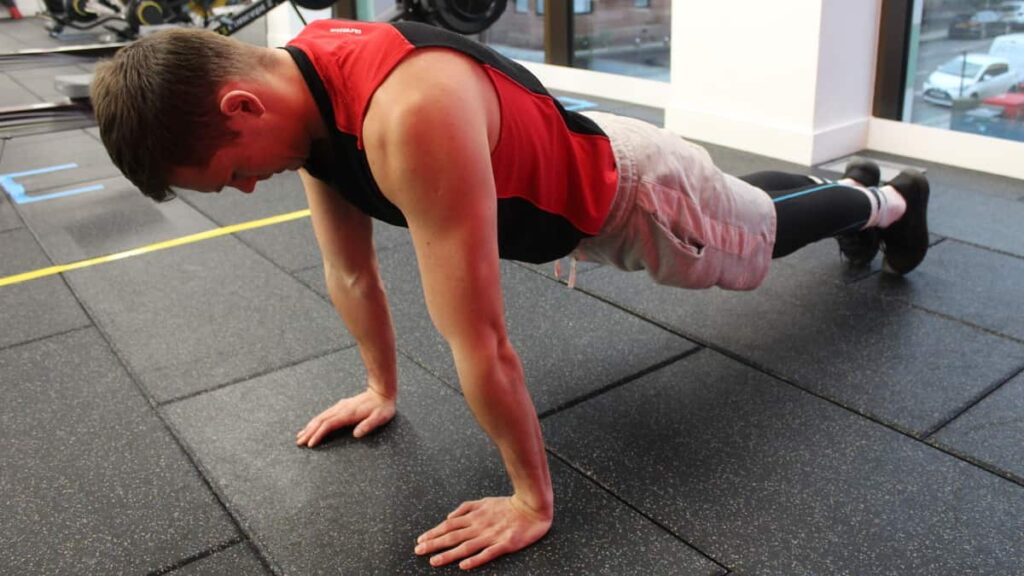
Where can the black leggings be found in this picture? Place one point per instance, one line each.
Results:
(807, 211)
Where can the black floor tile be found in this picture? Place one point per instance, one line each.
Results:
(278, 195)
(968, 283)
(982, 219)
(769, 480)
(14, 94)
(570, 344)
(202, 315)
(292, 245)
(906, 367)
(238, 560)
(41, 81)
(992, 432)
(106, 221)
(35, 308)
(92, 482)
(357, 506)
(52, 149)
(9, 219)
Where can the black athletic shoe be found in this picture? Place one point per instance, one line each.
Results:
(861, 247)
(906, 241)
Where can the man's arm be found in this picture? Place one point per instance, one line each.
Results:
(345, 236)
(429, 152)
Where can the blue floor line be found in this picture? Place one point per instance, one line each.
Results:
(18, 194)
(62, 194)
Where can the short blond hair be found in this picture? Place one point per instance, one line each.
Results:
(156, 102)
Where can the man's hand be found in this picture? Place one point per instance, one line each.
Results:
(483, 530)
(367, 411)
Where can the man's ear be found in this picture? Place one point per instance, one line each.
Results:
(234, 102)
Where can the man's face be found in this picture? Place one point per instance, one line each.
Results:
(242, 163)
(268, 141)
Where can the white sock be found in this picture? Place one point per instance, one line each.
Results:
(891, 207)
(887, 205)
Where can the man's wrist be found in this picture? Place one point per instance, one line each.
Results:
(539, 505)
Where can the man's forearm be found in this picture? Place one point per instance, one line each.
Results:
(492, 381)
(362, 305)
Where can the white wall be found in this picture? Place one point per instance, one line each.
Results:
(792, 80)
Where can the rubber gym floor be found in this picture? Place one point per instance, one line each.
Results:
(835, 421)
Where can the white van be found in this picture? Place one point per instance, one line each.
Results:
(1011, 48)
(1013, 13)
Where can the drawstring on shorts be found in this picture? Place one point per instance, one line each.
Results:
(571, 282)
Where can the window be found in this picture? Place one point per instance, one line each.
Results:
(616, 37)
(960, 69)
(522, 6)
(578, 6)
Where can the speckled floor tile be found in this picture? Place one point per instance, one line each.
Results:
(45, 151)
(35, 308)
(972, 284)
(14, 94)
(238, 560)
(570, 344)
(278, 195)
(292, 245)
(991, 432)
(92, 482)
(112, 219)
(982, 219)
(202, 315)
(769, 480)
(907, 367)
(357, 506)
(9, 219)
(41, 81)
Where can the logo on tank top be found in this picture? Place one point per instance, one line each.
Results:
(347, 30)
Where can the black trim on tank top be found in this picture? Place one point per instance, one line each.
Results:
(427, 36)
(529, 234)
(349, 167)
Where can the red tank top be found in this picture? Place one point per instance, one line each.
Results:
(554, 170)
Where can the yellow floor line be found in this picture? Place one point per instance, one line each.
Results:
(43, 272)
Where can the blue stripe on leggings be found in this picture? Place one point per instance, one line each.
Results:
(804, 192)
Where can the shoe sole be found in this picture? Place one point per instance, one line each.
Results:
(916, 219)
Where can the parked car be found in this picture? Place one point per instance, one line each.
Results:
(1011, 47)
(1013, 13)
(983, 24)
(969, 76)
(999, 116)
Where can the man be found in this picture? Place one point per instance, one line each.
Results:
(426, 129)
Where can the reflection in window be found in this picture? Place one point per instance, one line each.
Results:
(628, 37)
(518, 34)
(966, 68)
(578, 7)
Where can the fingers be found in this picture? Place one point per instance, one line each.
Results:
(489, 553)
(442, 529)
(449, 540)
(325, 428)
(463, 550)
(464, 508)
(371, 422)
(321, 426)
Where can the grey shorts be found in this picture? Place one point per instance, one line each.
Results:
(677, 216)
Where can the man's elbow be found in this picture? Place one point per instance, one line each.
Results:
(352, 283)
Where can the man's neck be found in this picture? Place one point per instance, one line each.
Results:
(286, 75)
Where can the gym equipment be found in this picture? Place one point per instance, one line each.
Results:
(127, 18)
